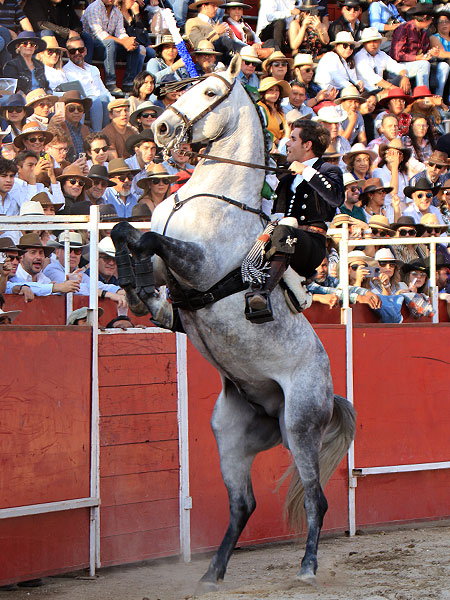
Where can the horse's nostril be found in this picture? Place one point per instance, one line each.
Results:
(163, 128)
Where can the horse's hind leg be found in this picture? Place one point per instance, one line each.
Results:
(240, 434)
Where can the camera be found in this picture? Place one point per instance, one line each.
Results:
(373, 272)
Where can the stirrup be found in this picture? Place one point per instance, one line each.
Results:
(258, 316)
(125, 270)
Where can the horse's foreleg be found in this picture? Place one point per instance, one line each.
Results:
(240, 434)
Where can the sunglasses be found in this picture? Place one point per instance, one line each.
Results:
(124, 178)
(74, 181)
(433, 164)
(102, 149)
(433, 230)
(156, 181)
(75, 108)
(387, 264)
(51, 51)
(99, 182)
(352, 8)
(107, 258)
(407, 232)
(11, 258)
(28, 44)
(346, 46)
(427, 195)
(15, 109)
(249, 63)
(279, 64)
(76, 50)
(76, 251)
(356, 267)
(307, 69)
(418, 273)
(148, 115)
(381, 233)
(36, 138)
(446, 192)
(355, 188)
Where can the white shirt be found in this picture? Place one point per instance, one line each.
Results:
(24, 191)
(41, 287)
(89, 77)
(331, 70)
(55, 77)
(272, 10)
(370, 68)
(307, 174)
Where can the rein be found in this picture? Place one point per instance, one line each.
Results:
(239, 163)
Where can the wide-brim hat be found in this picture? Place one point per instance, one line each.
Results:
(32, 240)
(405, 221)
(140, 212)
(157, 171)
(331, 152)
(310, 5)
(350, 180)
(108, 214)
(395, 144)
(393, 93)
(100, 172)
(439, 158)
(206, 47)
(12, 314)
(249, 54)
(269, 82)
(52, 43)
(143, 108)
(30, 208)
(371, 34)
(81, 313)
(165, 39)
(415, 265)
(6, 243)
(4, 132)
(74, 96)
(26, 36)
(349, 93)
(374, 184)
(423, 185)
(106, 246)
(430, 221)
(422, 9)
(359, 149)
(330, 114)
(136, 138)
(117, 166)
(380, 222)
(385, 255)
(234, 5)
(195, 5)
(44, 200)
(303, 60)
(274, 57)
(37, 95)
(421, 91)
(29, 128)
(344, 37)
(15, 101)
(358, 255)
(74, 171)
(75, 240)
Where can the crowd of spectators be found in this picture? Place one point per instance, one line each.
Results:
(376, 77)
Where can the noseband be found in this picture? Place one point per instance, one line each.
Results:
(186, 133)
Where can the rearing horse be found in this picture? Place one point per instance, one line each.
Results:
(276, 378)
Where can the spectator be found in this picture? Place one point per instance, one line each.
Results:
(396, 101)
(56, 16)
(120, 322)
(380, 228)
(304, 73)
(30, 271)
(441, 39)
(428, 105)
(272, 91)
(205, 58)
(239, 30)
(142, 91)
(331, 118)
(432, 228)
(389, 281)
(277, 66)
(51, 58)
(357, 268)
(143, 117)
(9, 202)
(274, 17)
(389, 131)
(30, 171)
(330, 155)
(374, 67)
(350, 206)
(392, 170)
(104, 22)
(75, 109)
(297, 100)
(141, 212)
(178, 162)
(353, 125)
(50, 208)
(58, 148)
(98, 174)
(411, 47)
(250, 62)
(76, 69)
(33, 138)
(42, 104)
(348, 21)
(142, 147)
(96, 146)
(306, 31)
(337, 68)
(155, 186)
(119, 130)
(80, 316)
(372, 197)
(9, 267)
(422, 194)
(442, 274)
(25, 67)
(14, 112)
(121, 196)
(436, 170)
(385, 18)
(406, 227)
(416, 277)
(443, 197)
(107, 268)
(420, 139)
(367, 108)
(135, 27)
(73, 184)
(359, 161)
(166, 62)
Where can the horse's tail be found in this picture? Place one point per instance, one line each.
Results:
(337, 439)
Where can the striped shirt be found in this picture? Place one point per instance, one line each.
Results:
(96, 22)
(10, 14)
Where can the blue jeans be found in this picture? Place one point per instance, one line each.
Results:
(111, 50)
(439, 75)
(420, 69)
(5, 38)
(99, 112)
(180, 9)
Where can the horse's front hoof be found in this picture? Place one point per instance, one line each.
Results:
(205, 587)
(307, 577)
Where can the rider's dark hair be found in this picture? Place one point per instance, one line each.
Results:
(311, 131)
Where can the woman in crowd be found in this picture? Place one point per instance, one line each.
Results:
(51, 58)
(134, 27)
(393, 172)
(337, 68)
(416, 277)
(373, 197)
(73, 184)
(366, 109)
(430, 106)
(143, 117)
(272, 92)
(389, 282)
(360, 161)
(14, 112)
(25, 67)
(278, 66)
(156, 186)
(357, 269)
(405, 227)
(420, 139)
(96, 146)
(395, 103)
(443, 197)
(166, 61)
(143, 88)
(307, 34)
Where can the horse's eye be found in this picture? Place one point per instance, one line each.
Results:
(210, 93)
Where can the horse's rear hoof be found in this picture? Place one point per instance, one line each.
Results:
(307, 577)
(205, 587)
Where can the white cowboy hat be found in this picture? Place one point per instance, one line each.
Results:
(249, 54)
(344, 37)
(371, 34)
(12, 314)
(359, 149)
(301, 60)
(106, 246)
(75, 240)
(349, 93)
(330, 114)
(348, 179)
(31, 208)
(385, 255)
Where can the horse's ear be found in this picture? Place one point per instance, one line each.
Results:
(235, 67)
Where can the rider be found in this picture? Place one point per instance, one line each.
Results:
(309, 197)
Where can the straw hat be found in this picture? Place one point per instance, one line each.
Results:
(75, 240)
(52, 43)
(44, 200)
(371, 34)
(373, 185)
(359, 149)
(74, 171)
(38, 95)
(31, 208)
(11, 314)
(32, 240)
(145, 106)
(28, 129)
(249, 54)
(80, 313)
(358, 256)
(349, 180)
(276, 56)
(206, 47)
(106, 246)
(270, 82)
(233, 4)
(165, 39)
(396, 144)
(117, 166)
(196, 5)
(157, 171)
(430, 221)
(303, 60)
(350, 93)
(330, 114)
(385, 255)
(381, 222)
(344, 37)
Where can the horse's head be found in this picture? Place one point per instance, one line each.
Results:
(202, 112)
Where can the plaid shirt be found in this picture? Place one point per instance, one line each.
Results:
(329, 286)
(408, 42)
(97, 23)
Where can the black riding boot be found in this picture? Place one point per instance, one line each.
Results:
(258, 307)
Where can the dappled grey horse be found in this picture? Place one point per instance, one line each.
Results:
(276, 378)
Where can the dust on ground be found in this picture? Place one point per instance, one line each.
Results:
(407, 564)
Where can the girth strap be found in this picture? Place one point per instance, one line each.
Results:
(195, 300)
